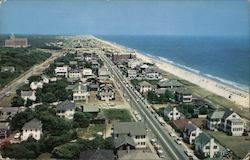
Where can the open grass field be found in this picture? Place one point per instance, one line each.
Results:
(122, 115)
(239, 145)
(91, 130)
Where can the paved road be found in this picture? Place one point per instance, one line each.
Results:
(172, 150)
(37, 69)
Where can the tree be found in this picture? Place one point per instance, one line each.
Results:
(34, 78)
(168, 95)
(18, 151)
(81, 120)
(66, 151)
(49, 98)
(17, 101)
(29, 102)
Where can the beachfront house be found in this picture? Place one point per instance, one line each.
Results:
(144, 87)
(129, 135)
(133, 63)
(32, 129)
(169, 84)
(66, 109)
(190, 132)
(227, 121)
(152, 73)
(62, 71)
(80, 92)
(183, 95)
(172, 113)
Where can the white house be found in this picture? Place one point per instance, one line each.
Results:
(80, 92)
(62, 71)
(130, 135)
(87, 72)
(35, 85)
(32, 129)
(74, 73)
(45, 79)
(206, 146)
(227, 121)
(105, 92)
(28, 95)
(132, 74)
(152, 73)
(183, 95)
(133, 63)
(144, 87)
(66, 109)
(172, 113)
(191, 131)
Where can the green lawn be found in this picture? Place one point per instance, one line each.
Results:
(122, 115)
(91, 130)
(239, 145)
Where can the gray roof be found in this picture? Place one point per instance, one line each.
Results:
(216, 115)
(70, 87)
(203, 139)
(144, 83)
(99, 154)
(26, 93)
(4, 126)
(184, 91)
(227, 113)
(189, 128)
(169, 83)
(66, 105)
(133, 128)
(33, 124)
(83, 87)
(160, 91)
(124, 139)
(9, 109)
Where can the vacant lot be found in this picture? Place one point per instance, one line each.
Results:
(90, 131)
(239, 145)
(122, 115)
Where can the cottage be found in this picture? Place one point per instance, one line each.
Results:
(169, 84)
(172, 113)
(74, 73)
(105, 92)
(61, 71)
(183, 95)
(7, 113)
(80, 92)
(191, 131)
(129, 135)
(131, 73)
(14, 42)
(66, 109)
(227, 121)
(35, 85)
(32, 129)
(144, 87)
(28, 95)
(206, 146)
(10, 69)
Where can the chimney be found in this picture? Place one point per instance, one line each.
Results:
(211, 148)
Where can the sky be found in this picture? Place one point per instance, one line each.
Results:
(126, 17)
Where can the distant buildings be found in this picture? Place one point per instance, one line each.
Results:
(32, 129)
(14, 42)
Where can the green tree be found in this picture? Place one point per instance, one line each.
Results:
(81, 120)
(49, 97)
(17, 101)
(20, 118)
(29, 102)
(18, 151)
(66, 151)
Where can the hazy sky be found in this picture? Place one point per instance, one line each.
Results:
(194, 17)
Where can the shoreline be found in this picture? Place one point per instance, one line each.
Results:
(232, 93)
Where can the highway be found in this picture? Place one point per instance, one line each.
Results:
(171, 149)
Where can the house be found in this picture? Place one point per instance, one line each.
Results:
(133, 63)
(45, 79)
(172, 113)
(74, 73)
(87, 72)
(80, 92)
(28, 95)
(98, 154)
(191, 131)
(144, 87)
(129, 135)
(35, 85)
(152, 73)
(7, 113)
(66, 109)
(95, 64)
(105, 92)
(73, 64)
(61, 71)
(131, 73)
(136, 155)
(169, 84)
(14, 42)
(206, 146)
(10, 69)
(160, 91)
(33, 129)
(180, 124)
(4, 129)
(183, 95)
(227, 121)
(201, 107)
(103, 74)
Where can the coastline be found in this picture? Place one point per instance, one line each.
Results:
(236, 95)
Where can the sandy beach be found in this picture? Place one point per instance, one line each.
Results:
(233, 94)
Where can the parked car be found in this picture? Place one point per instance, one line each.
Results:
(178, 140)
(17, 135)
(188, 153)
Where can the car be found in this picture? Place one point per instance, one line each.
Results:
(178, 141)
(160, 153)
(128, 99)
(188, 153)
(17, 135)
(172, 134)
(137, 99)
(153, 141)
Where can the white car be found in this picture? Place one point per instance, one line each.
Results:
(17, 135)
(178, 141)
(188, 153)
(172, 134)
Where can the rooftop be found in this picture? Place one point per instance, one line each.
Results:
(133, 128)
(33, 124)
(66, 105)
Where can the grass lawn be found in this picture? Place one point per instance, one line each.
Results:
(122, 115)
(239, 145)
(44, 156)
(91, 130)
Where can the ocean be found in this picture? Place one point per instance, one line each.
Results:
(222, 59)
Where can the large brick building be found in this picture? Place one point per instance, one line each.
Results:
(14, 42)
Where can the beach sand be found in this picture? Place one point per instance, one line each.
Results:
(231, 93)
